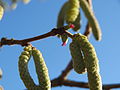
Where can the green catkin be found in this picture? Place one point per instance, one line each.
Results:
(23, 69)
(60, 21)
(61, 15)
(91, 62)
(41, 70)
(91, 19)
(72, 11)
(77, 23)
(77, 58)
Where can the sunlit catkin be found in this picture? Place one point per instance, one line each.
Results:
(41, 70)
(91, 62)
(23, 68)
(91, 19)
(72, 11)
(26, 1)
(77, 58)
(1, 12)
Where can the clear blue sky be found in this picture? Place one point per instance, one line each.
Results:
(39, 17)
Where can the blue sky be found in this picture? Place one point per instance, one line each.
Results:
(39, 17)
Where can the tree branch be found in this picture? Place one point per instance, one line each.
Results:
(70, 83)
(25, 42)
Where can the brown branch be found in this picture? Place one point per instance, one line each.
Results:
(25, 42)
(88, 30)
(70, 83)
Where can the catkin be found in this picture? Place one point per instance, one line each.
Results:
(61, 15)
(72, 11)
(60, 21)
(77, 58)
(41, 70)
(26, 1)
(91, 61)
(91, 19)
(23, 69)
(77, 23)
(1, 11)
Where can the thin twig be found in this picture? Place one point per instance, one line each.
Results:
(71, 83)
(25, 42)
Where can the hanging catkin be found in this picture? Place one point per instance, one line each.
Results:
(23, 68)
(91, 61)
(60, 22)
(72, 11)
(91, 19)
(41, 70)
(77, 23)
(77, 58)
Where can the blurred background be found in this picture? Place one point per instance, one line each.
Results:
(39, 17)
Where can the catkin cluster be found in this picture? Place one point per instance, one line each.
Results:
(90, 60)
(41, 70)
(70, 14)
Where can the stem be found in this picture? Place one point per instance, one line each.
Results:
(25, 42)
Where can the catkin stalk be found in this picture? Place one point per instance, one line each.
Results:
(41, 70)
(77, 58)
(91, 62)
(91, 19)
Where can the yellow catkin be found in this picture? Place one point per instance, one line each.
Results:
(91, 19)
(1, 12)
(77, 58)
(91, 62)
(23, 69)
(60, 21)
(72, 11)
(26, 1)
(1, 73)
(41, 70)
